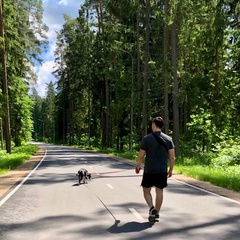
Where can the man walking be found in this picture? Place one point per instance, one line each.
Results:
(157, 148)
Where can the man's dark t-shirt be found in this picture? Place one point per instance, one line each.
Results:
(156, 160)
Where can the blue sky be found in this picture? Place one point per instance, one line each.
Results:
(53, 18)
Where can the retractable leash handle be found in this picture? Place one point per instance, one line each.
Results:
(137, 170)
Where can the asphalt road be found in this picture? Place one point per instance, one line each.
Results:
(50, 204)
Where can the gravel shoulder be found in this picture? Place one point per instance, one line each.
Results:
(14, 177)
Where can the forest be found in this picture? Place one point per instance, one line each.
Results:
(118, 65)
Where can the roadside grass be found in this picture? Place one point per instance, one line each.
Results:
(227, 178)
(221, 168)
(18, 156)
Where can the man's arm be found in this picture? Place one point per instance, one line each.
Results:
(171, 155)
(140, 158)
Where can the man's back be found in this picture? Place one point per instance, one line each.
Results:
(156, 154)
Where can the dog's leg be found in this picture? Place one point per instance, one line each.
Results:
(80, 177)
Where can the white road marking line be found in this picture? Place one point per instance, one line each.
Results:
(22, 182)
(206, 191)
(110, 186)
(136, 214)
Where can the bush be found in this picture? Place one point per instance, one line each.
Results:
(227, 157)
(221, 167)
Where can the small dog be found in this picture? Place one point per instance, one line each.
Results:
(83, 176)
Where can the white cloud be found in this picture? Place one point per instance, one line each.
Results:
(64, 2)
(45, 75)
(53, 18)
(49, 54)
(54, 11)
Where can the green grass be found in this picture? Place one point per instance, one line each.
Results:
(19, 155)
(227, 178)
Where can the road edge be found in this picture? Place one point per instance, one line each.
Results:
(12, 178)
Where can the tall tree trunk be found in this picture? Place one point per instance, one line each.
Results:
(146, 60)
(70, 120)
(218, 53)
(5, 85)
(166, 79)
(175, 88)
(106, 125)
(139, 82)
(89, 79)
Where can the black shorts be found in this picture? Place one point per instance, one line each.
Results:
(158, 180)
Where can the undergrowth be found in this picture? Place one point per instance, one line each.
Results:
(16, 158)
(221, 168)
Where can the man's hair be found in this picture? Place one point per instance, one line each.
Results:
(158, 122)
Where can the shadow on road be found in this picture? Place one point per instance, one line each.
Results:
(129, 227)
(79, 227)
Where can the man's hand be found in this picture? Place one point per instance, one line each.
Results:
(171, 155)
(169, 173)
(137, 168)
(141, 155)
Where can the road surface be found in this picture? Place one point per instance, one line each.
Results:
(50, 204)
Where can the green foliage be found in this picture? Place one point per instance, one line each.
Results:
(27, 149)
(221, 168)
(227, 156)
(18, 156)
(37, 113)
(47, 118)
(21, 109)
(24, 40)
(92, 105)
(94, 56)
(201, 130)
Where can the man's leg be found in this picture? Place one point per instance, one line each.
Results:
(148, 196)
(159, 198)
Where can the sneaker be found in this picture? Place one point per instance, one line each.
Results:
(153, 215)
(153, 212)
